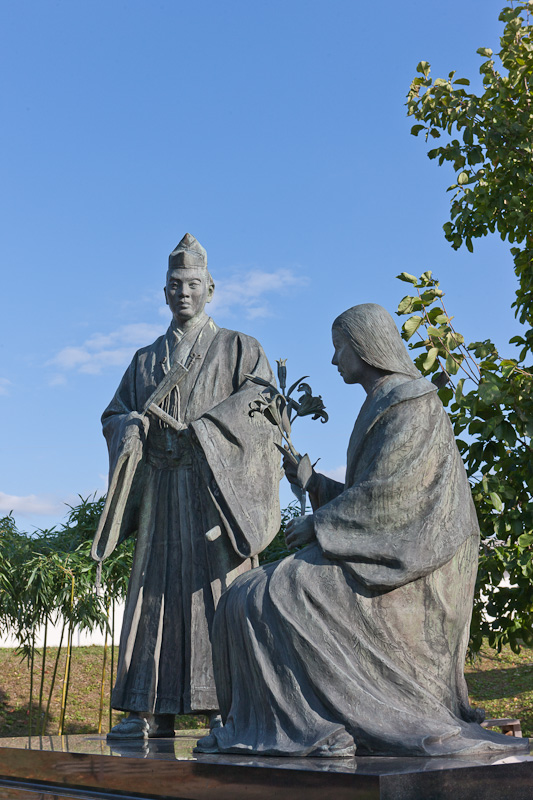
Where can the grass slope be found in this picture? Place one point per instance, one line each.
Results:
(502, 684)
(83, 700)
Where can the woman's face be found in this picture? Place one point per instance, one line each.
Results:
(351, 367)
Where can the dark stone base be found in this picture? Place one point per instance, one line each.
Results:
(87, 768)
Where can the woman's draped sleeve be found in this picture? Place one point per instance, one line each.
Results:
(324, 490)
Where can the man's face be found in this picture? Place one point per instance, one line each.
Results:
(187, 291)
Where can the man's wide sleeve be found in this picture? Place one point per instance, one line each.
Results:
(240, 451)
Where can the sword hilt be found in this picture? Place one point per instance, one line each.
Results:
(164, 417)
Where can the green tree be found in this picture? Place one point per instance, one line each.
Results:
(50, 575)
(490, 398)
(493, 156)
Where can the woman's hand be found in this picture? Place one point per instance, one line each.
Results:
(291, 473)
(300, 531)
(290, 470)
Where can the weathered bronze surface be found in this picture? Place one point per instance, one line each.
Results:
(356, 644)
(197, 481)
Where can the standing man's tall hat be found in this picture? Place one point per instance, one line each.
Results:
(189, 253)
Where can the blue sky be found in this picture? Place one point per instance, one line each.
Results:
(276, 133)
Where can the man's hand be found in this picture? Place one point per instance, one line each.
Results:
(136, 423)
(135, 431)
(300, 531)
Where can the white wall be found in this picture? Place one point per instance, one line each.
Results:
(78, 640)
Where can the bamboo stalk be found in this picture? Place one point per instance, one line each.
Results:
(54, 674)
(102, 682)
(112, 660)
(43, 666)
(32, 660)
(66, 679)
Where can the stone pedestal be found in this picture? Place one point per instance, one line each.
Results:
(87, 768)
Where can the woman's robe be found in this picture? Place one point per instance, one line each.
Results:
(186, 486)
(360, 637)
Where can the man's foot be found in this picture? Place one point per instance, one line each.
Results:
(130, 728)
(160, 726)
(144, 726)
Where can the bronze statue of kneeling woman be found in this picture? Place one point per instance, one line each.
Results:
(357, 642)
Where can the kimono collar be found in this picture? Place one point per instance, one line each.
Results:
(408, 389)
(387, 394)
(176, 334)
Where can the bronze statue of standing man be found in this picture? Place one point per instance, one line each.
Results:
(197, 479)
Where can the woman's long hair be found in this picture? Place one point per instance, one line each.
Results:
(375, 338)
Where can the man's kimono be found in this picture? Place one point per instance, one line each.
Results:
(204, 503)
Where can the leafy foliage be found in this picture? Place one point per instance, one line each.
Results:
(50, 575)
(488, 140)
(277, 548)
(490, 402)
(37, 572)
(492, 155)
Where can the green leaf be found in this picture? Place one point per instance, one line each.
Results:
(423, 67)
(462, 178)
(483, 51)
(430, 359)
(436, 316)
(445, 394)
(405, 306)
(429, 295)
(407, 278)
(411, 325)
(453, 363)
(462, 81)
(415, 130)
(489, 388)
(496, 501)
(434, 332)
(508, 433)
(526, 540)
